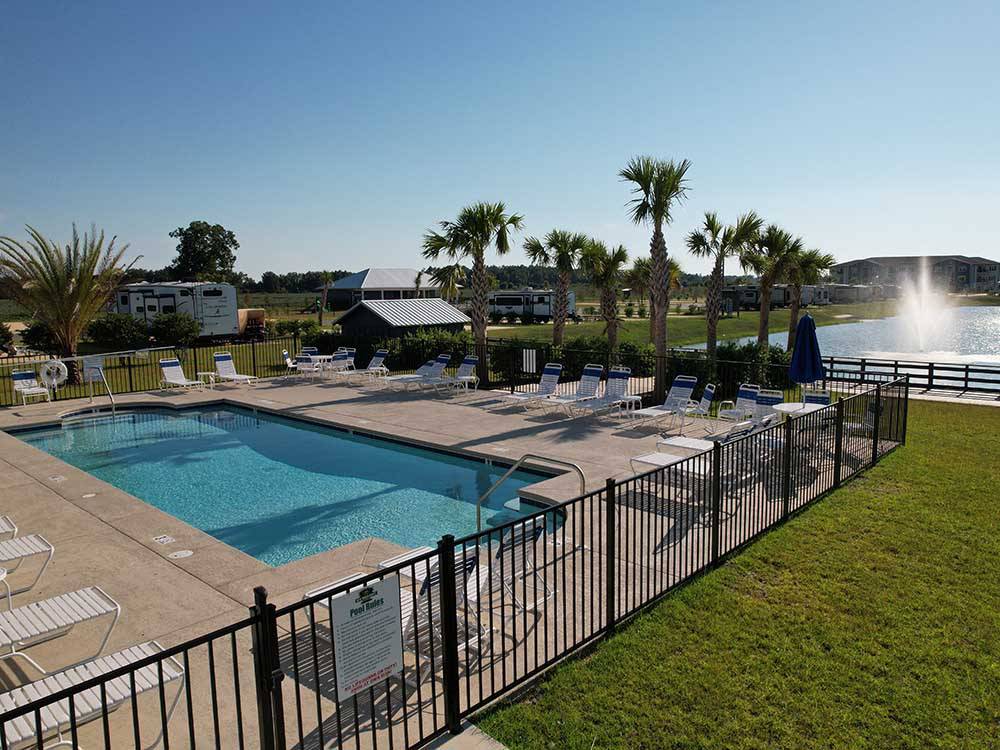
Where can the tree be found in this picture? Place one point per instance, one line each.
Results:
(325, 278)
(205, 252)
(175, 329)
(806, 267)
(477, 228)
(561, 249)
(65, 288)
(6, 339)
(720, 243)
(605, 269)
(118, 332)
(270, 282)
(673, 280)
(657, 184)
(769, 255)
(638, 280)
(448, 279)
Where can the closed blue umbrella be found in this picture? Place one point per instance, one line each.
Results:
(807, 363)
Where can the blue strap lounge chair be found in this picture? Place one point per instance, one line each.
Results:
(615, 393)
(743, 407)
(174, 377)
(26, 383)
(548, 385)
(225, 370)
(586, 389)
(677, 400)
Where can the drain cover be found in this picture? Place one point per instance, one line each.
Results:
(57, 478)
(89, 495)
(164, 539)
(180, 554)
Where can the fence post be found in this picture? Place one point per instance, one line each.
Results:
(876, 421)
(610, 573)
(838, 444)
(786, 480)
(128, 367)
(513, 365)
(906, 405)
(449, 633)
(716, 491)
(930, 376)
(253, 355)
(267, 672)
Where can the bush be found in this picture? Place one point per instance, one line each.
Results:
(629, 310)
(118, 331)
(39, 336)
(590, 310)
(175, 329)
(496, 318)
(304, 327)
(527, 319)
(642, 311)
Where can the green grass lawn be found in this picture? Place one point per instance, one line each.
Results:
(683, 330)
(870, 620)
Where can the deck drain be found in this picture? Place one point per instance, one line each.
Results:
(89, 495)
(57, 478)
(180, 554)
(164, 539)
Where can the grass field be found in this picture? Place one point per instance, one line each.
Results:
(870, 620)
(683, 330)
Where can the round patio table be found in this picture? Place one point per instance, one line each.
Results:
(797, 408)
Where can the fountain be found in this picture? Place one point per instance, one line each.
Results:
(924, 314)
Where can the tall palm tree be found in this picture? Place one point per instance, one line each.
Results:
(719, 243)
(605, 269)
(448, 279)
(806, 267)
(638, 280)
(561, 249)
(65, 288)
(769, 256)
(326, 277)
(477, 228)
(673, 280)
(657, 184)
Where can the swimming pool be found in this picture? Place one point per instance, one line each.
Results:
(282, 489)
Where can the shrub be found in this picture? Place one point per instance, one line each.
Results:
(527, 319)
(39, 336)
(642, 311)
(304, 327)
(629, 310)
(590, 310)
(496, 318)
(175, 329)
(117, 331)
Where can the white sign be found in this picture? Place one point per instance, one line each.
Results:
(368, 635)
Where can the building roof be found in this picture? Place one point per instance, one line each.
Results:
(411, 313)
(888, 259)
(383, 278)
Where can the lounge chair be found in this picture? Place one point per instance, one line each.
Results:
(225, 370)
(291, 367)
(305, 365)
(340, 364)
(26, 383)
(765, 403)
(174, 377)
(821, 398)
(615, 394)
(514, 565)
(464, 378)
(738, 430)
(702, 408)
(376, 366)
(678, 399)
(55, 722)
(586, 388)
(547, 386)
(308, 351)
(743, 408)
(26, 626)
(7, 527)
(14, 552)
(427, 372)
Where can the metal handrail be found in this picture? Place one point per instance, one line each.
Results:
(514, 467)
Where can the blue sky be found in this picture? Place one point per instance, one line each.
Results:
(333, 134)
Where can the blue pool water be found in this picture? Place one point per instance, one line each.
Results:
(282, 489)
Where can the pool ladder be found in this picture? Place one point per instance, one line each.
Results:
(517, 465)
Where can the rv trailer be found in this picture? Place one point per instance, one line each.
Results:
(214, 306)
(537, 303)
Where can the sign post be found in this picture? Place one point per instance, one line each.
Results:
(367, 632)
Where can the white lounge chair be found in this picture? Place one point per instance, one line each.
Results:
(306, 366)
(427, 372)
(26, 626)
(738, 430)
(174, 377)
(586, 388)
(702, 408)
(14, 552)
(514, 566)
(26, 383)
(547, 386)
(821, 398)
(765, 403)
(376, 366)
(225, 370)
(463, 379)
(615, 394)
(677, 400)
(54, 721)
(308, 351)
(743, 407)
(8, 528)
(340, 365)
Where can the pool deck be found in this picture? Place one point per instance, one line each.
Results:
(106, 537)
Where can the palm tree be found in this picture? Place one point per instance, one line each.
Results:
(448, 279)
(769, 255)
(715, 241)
(673, 280)
(658, 184)
(561, 249)
(65, 288)
(477, 228)
(806, 268)
(605, 269)
(326, 277)
(637, 279)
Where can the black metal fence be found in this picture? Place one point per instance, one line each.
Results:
(960, 377)
(480, 615)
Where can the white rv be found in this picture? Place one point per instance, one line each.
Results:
(535, 302)
(815, 295)
(214, 306)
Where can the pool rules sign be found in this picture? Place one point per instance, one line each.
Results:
(368, 636)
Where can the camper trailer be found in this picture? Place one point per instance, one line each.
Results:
(815, 295)
(534, 302)
(214, 306)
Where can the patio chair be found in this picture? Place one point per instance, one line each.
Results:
(428, 371)
(514, 564)
(8, 528)
(308, 350)
(702, 408)
(307, 366)
(174, 377)
(548, 384)
(26, 383)
(816, 397)
(225, 370)
(14, 552)
(743, 407)
(340, 365)
(615, 394)
(677, 400)
(291, 366)
(765, 403)
(55, 721)
(662, 459)
(586, 388)
(464, 378)
(31, 624)
(376, 366)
